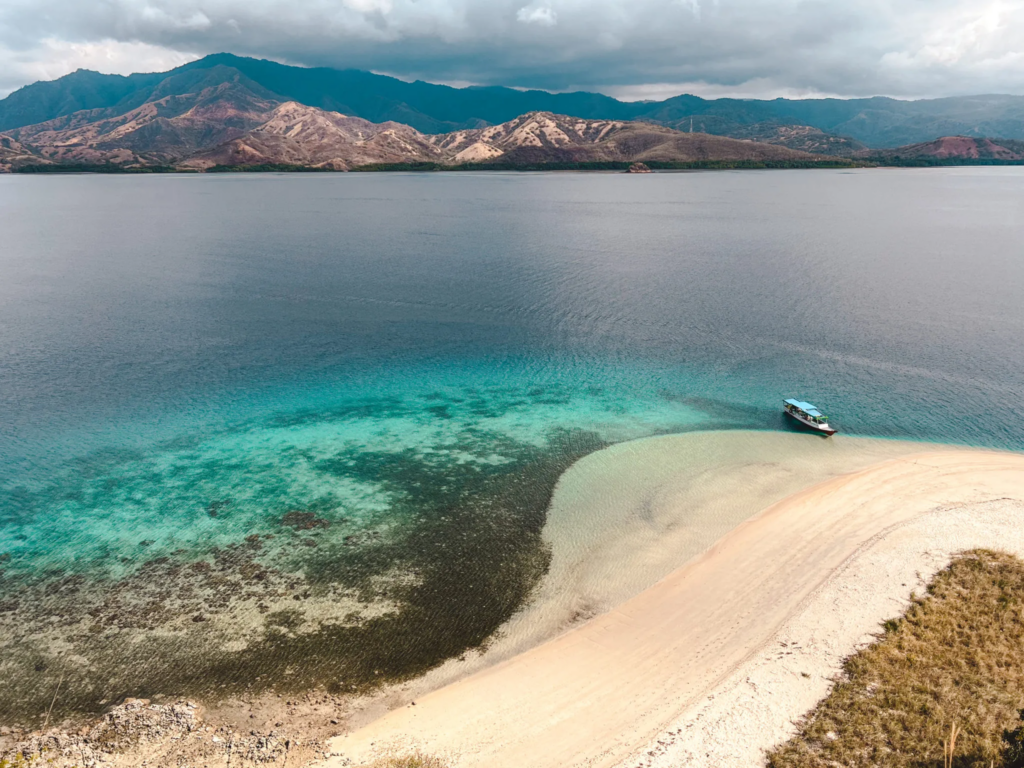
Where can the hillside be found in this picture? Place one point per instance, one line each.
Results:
(951, 150)
(14, 154)
(802, 138)
(824, 125)
(543, 137)
(158, 131)
(199, 119)
(299, 135)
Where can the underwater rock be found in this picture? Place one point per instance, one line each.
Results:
(214, 507)
(304, 521)
(458, 547)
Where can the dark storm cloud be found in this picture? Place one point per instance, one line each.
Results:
(630, 48)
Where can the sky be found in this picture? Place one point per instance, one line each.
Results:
(630, 49)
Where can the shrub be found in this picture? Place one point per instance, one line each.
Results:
(1013, 751)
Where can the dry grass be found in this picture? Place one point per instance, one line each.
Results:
(940, 687)
(415, 759)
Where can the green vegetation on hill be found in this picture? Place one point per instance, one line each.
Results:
(899, 161)
(267, 168)
(613, 165)
(421, 167)
(93, 168)
(876, 122)
(943, 686)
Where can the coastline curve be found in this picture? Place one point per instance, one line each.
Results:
(595, 694)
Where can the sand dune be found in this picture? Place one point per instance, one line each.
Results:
(598, 694)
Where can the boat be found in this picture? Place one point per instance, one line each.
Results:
(809, 416)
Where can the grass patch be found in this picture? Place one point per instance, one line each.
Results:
(943, 686)
(408, 760)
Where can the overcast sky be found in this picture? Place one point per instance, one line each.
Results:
(631, 49)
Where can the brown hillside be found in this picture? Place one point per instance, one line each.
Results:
(306, 136)
(232, 125)
(541, 137)
(14, 154)
(159, 131)
(296, 134)
(955, 147)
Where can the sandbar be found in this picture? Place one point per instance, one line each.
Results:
(754, 551)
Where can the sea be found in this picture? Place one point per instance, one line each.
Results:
(278, 432)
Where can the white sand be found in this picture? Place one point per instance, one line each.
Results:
(757, 707)
(597, 694)
(623, 518)
(626, 517)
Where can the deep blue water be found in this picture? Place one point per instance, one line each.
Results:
(411, 359)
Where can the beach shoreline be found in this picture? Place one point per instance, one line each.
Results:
(624, 517)
(760, 705)
(703, 590)
(612, 690)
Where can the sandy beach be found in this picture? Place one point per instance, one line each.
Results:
(698, 556)
(625, 517)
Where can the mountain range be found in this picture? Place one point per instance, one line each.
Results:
(230, 110)
(306, 136)
(230, 126)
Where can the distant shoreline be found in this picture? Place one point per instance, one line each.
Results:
(710, 165)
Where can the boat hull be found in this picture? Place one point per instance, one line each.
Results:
(826, 431)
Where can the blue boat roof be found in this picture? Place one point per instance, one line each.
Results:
(807, 408)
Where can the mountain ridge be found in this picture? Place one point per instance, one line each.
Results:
(229, 125)
(160, 130)
(298, 135)
(840, 126)
(544, 137)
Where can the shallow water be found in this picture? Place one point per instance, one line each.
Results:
(253, 420)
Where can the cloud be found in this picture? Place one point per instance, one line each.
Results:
(50, 58)
(627, 47)
(537, 14)
(693, 5)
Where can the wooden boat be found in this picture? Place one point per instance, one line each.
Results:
(809, 416)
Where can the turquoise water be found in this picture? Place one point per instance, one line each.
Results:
(280, 432)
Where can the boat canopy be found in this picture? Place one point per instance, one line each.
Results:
(807, 408)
